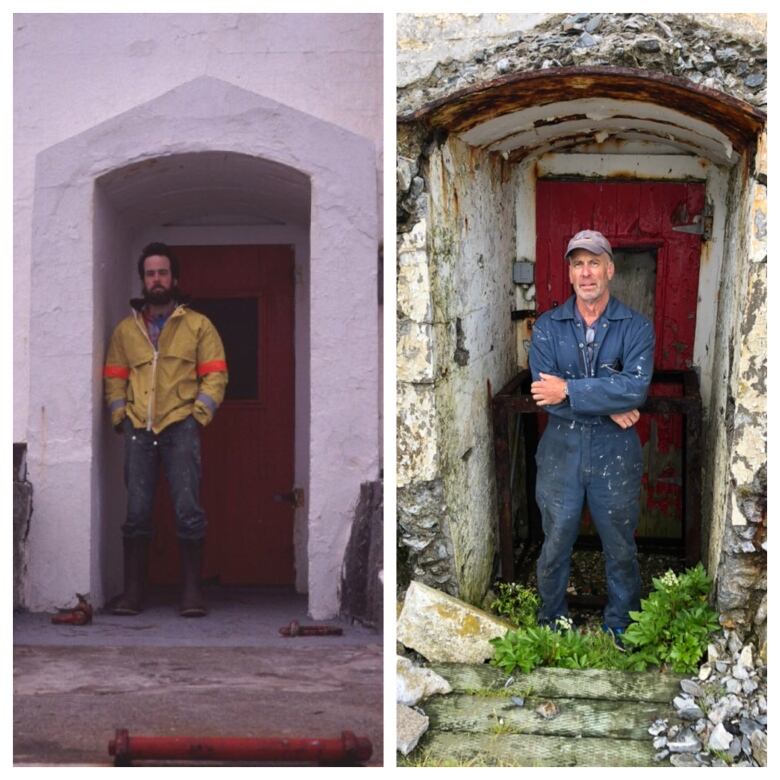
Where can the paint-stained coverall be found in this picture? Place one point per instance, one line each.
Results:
(584, 455)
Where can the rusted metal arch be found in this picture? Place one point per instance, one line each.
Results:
(469, 107)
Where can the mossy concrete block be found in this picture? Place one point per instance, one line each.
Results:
(443, 628)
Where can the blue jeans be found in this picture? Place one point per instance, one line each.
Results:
(600, 463)
(178, 447)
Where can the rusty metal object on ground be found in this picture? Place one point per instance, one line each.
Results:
(79, 615)
(296, 629)
(344, 750)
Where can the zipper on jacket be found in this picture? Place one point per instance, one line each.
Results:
(155, 353)
(150, 407)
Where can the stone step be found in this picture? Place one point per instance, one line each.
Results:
(576, 718)
(459, 749)
(547, 682)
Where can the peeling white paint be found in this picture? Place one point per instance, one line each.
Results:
(518, 129)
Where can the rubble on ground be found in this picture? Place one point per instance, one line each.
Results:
(722, 713)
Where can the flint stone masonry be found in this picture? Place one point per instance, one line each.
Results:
(424, 545)
(683, 45)
(413, 683)
(442, 628)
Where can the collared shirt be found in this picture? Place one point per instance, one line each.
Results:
(622, 361)
(155, 324)
(591, 339)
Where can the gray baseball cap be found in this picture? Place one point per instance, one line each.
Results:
(591, 240)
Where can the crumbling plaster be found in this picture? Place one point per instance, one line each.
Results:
(736, 441)
(451, 285)
(344, 233)
(729, 351)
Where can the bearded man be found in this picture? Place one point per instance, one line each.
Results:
(165, 376)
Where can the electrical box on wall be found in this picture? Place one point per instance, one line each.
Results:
(523, 272)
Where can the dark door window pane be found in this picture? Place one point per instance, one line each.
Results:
(237, 322)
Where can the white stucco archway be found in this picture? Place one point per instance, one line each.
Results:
(76, 235)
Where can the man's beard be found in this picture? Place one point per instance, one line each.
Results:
(158, 296)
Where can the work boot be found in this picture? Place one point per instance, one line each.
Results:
(136, 555)
(191, 552)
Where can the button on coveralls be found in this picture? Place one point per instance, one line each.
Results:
(584, 455)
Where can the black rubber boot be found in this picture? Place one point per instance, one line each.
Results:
(136, 555)
(191, 552)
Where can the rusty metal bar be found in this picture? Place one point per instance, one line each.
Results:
(344, 750)
(503, 489)
(296, 629)
(692, 463)
(477, 103)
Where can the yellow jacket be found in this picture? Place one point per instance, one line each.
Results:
(186, 375)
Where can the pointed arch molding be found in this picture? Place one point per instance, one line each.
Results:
(466, 111)
(70, 317)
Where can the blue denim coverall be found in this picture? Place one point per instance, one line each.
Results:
(584, 455)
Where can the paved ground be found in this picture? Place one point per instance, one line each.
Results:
(230, 674)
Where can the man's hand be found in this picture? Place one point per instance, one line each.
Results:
(626, 419)
(548, 390)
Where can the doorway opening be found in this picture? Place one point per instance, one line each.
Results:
(239, 226)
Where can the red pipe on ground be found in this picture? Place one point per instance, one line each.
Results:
(347, 749)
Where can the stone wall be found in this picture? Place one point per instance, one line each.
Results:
(23, 495)
(724, 52)
(361, 590)
(720, 51)
(454, 298)
(737, 436)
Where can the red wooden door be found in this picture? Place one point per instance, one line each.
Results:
(657, 273)
(247, 450)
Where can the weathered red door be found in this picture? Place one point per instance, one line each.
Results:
(247, 450)
(657, 273)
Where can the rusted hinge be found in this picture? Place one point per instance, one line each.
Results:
(701, 226)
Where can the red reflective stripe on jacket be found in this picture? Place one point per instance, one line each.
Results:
(212, 365)
(116, 371)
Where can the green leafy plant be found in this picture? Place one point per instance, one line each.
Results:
(527, 648)
(675, 622)
(518, 604)
(672, 628)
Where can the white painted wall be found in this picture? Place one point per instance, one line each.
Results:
(59, 363)
(73, 71)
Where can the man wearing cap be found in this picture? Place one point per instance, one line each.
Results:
(591, 361)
